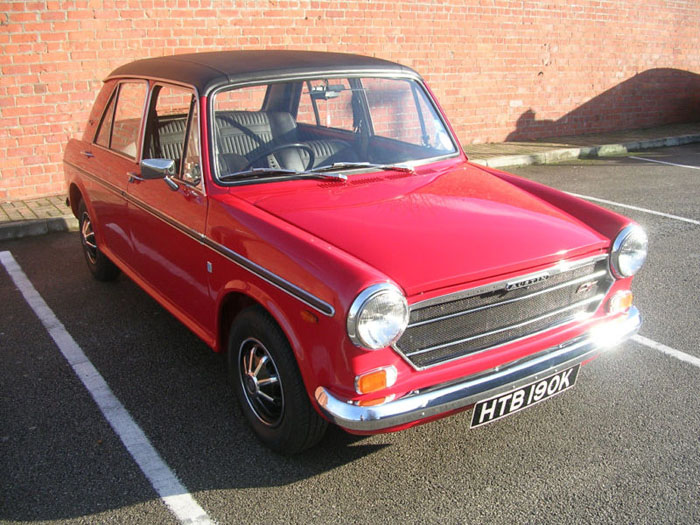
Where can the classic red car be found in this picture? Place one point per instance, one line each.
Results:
(313, 215)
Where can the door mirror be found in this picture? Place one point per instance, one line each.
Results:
(157, 168)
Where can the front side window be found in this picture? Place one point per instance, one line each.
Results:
(172, 130)
(310, 124)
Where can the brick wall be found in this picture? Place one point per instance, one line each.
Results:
(502, 69)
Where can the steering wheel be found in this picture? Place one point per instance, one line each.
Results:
(279, 147)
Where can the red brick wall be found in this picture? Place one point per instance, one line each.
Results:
(502, 69)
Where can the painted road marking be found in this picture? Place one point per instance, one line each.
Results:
(637, 208)
(171, 491)
(682, 356)
(667, 163)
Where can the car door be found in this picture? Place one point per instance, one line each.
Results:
(167, 217)
(109, 160)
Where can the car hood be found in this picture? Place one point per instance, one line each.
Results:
(429, 231)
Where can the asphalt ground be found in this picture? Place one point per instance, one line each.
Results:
(622, 446)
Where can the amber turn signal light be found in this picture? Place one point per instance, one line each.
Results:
(375, 380)
(620, 302)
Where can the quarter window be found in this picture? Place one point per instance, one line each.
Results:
(105, 132)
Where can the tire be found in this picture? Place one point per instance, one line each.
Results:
(264, 374)
(101, 267)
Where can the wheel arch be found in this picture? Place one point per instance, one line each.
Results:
(235, 299)
(75, 197)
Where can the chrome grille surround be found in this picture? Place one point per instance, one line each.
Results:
(478, 319)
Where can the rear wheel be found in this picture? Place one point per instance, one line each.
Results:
(101, 267)
(264, 374)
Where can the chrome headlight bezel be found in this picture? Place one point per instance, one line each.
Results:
(620, 267)
(365, 299)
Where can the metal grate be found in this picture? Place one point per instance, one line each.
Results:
(475, 320)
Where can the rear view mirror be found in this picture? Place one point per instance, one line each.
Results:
(327, 91)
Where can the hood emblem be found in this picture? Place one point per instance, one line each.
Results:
(524, 283)
(585, 287)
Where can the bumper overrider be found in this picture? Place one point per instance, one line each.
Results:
(441, 399)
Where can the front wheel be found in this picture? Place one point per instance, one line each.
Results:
(267, 382)
(101, 267)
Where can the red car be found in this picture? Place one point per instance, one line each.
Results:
(313, 215)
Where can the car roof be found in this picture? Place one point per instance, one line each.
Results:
(208, 71)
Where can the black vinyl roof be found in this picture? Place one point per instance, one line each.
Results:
(207, 71)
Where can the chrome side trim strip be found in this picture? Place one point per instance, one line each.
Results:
(593, 299)
(441, 399)
(563, 266)
(245, 263)
(509, 301)
(271, 278)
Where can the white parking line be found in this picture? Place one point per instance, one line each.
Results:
(637, 208)
(667, 163)
(686, 358)
(164, 481)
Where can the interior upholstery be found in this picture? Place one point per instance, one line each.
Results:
(166, 141)
(245, 135)
(328, 152)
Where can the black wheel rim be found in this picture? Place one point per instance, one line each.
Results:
(260, 382)
(87, 236)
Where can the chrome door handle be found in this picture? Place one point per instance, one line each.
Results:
(88, 154)
(134, 177)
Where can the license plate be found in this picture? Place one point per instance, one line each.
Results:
(516, 400)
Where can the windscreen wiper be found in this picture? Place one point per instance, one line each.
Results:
(337, 166)
(257, 173)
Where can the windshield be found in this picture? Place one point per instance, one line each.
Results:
(325, 124)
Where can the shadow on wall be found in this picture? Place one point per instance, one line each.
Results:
(652, 98)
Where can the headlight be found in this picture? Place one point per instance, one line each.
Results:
(378, 316)
(629, 251)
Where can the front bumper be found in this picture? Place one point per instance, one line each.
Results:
(441, 399)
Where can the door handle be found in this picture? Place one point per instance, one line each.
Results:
(88, 154)
(134, 177)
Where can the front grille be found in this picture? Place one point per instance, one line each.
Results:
(474, 320)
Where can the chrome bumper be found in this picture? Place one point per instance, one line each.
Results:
(440, 399)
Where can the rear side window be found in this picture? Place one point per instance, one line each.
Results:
(120, 126)
(249, 98)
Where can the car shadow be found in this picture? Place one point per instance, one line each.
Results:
(172, 384)
(651, 98)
